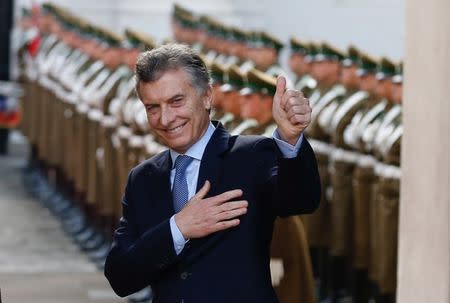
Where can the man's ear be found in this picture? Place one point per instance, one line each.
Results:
(207, 98)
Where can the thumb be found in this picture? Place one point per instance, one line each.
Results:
(281, 88)
(202, 191)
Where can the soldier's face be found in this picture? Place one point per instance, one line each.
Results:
(294, 62)
(384, 88)
(218, 96)
(250, 105)
(264, 57)
(113, 57)
(130, 57)
(332, 71)
(266, 109)
(397, 92)
(349, 77)
(368, 83)
(176, 111)
(298, 64)
(231, 103)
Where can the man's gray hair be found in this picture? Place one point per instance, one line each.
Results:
(152, 64)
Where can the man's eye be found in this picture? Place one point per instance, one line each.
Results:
(152, 109)
(177, 101)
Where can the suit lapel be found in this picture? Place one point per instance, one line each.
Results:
(211, 164)
(160, 177)
(211, 169)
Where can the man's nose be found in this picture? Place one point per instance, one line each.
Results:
(167, 116)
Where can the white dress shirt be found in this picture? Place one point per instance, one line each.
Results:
(196, 152)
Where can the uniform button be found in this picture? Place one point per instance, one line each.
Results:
(184, 275)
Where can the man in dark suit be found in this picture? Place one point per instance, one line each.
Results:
(198, 218)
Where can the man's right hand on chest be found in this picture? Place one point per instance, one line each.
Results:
(203, 216)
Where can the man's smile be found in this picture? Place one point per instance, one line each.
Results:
(176, 129)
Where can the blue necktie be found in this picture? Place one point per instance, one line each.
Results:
(180, 191)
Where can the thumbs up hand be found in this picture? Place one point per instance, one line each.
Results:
(291, 112)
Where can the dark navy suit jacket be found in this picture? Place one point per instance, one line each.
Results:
(227, 266)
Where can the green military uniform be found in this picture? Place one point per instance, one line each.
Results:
(359, 134)
(345, 213)
(339, 123)
(317, 224)
(386, 145)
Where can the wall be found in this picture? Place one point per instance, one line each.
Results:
(424, 240)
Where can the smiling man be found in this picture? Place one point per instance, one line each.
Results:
(176, 109)
(198, 218)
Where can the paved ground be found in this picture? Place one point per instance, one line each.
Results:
(38, 263)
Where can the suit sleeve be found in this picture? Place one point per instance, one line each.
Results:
(137, 260)
(294, 183)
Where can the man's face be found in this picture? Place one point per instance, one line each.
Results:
(397, 91)
(368, 83)
(298, 64)
(264, 57)
(176, 112)
(218, 95)
(349, 77)
(384, 88)
(231, 103)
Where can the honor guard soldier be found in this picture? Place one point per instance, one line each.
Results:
(296, 62)
(217, 76)
(121, 86)
(184, 25)
(388, 174)
(357, 133)
(264, 51)
(234, 83)
(390, 122)
(326, 70)
(302, 65)
(348, 78)
(239, 43)
(96, 99)
(349, 237)
(256, 103)
(339, 193)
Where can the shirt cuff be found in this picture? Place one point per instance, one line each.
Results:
(287, 150)
(177, 236)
